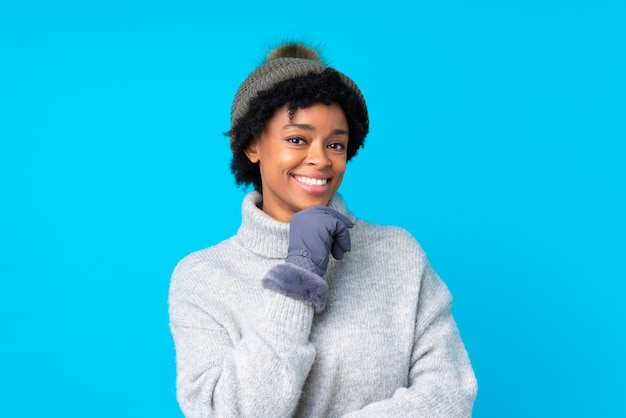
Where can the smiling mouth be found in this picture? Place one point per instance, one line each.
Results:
(310, 181)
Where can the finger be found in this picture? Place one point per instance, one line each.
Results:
(341, 243)
(340, 216)
(337, 251)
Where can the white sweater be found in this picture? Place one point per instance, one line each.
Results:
(385, 346)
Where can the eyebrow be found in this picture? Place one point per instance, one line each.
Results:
(311, 128)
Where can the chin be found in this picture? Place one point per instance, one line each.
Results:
(307, 203)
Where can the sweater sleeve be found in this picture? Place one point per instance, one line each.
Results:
(257, 373)
(441, 378)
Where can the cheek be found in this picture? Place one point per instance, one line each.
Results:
(339, 165)
(276, 160)
(287, 159)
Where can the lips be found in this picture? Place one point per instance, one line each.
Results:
(311, 181)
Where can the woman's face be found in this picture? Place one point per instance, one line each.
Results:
(302, 159)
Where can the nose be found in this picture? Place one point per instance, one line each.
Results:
(318, 156)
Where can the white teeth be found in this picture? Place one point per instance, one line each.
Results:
(312, 182)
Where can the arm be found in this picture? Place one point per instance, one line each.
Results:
(222, 373)
(441, 379)
(262, 371)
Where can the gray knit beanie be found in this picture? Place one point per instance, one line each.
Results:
(287, 61)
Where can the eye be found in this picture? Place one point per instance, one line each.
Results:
(339, 146)
(296, 140)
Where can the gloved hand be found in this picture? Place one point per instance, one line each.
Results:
(314, 233)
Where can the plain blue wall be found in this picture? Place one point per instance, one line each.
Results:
(497, 138)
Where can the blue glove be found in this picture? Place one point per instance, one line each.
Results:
(314, 233)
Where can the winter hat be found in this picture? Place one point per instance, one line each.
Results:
(286, 62)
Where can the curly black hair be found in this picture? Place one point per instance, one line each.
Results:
(300, 92)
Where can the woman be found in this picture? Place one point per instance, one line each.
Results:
(309, 311)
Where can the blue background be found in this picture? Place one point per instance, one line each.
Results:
(497, 138)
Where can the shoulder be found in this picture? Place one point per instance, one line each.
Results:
(205, 256)
(390, 246)
(381, 236)
(201, 263)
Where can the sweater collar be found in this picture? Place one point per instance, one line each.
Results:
(264, 235)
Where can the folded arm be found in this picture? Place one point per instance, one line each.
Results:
(256, 371)
(441, 379)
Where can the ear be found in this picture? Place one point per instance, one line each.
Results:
(252, 151)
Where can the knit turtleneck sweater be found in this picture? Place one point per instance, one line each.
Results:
(386, 344)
